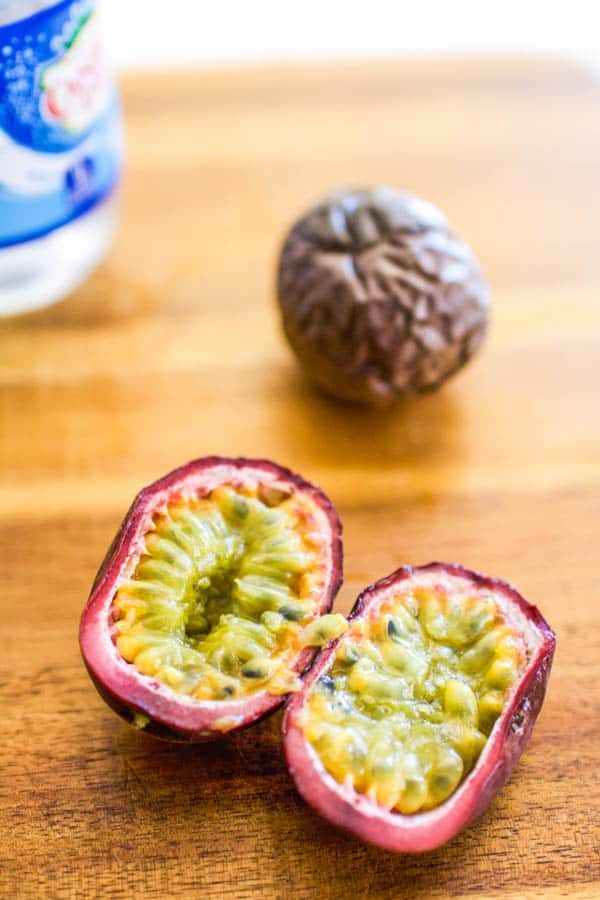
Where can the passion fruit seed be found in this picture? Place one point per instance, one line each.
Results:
(405, 710)
(224, 595)
(324, 629)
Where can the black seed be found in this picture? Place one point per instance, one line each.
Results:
(253, 672)
(228, 691)
(291, 613)
(392, 630)
(327, 683)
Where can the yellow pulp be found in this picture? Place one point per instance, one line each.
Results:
(406, 708)
(224, 594)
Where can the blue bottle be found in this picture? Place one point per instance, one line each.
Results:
(60, 150)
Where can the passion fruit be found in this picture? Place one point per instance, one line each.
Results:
(378, 297)
(408, 725)
(213, 597)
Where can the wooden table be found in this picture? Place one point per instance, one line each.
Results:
(172, 350)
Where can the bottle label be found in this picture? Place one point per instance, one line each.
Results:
(60, 123)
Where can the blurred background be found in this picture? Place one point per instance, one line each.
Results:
(233, 31)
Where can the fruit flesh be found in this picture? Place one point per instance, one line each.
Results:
(222, 597)
(413, 692)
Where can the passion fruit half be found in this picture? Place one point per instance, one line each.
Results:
(408, 725)
(211, 600)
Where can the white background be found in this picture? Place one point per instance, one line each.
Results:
(161, 33)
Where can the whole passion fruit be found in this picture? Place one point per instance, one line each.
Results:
(408, 725)
(211, 600)
(378, 298)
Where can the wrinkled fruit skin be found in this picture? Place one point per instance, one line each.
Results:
(427, 830)
(378, 298)
(174, 717)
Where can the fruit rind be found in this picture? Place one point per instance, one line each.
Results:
(378, 298)
(423, 831)
(178, 717)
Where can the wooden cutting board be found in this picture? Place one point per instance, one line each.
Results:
(172, 350)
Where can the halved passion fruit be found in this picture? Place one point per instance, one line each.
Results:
(209, 603)
(408, 725)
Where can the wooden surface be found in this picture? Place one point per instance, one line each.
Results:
(172, 350)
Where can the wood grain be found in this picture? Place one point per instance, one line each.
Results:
(172, 350)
